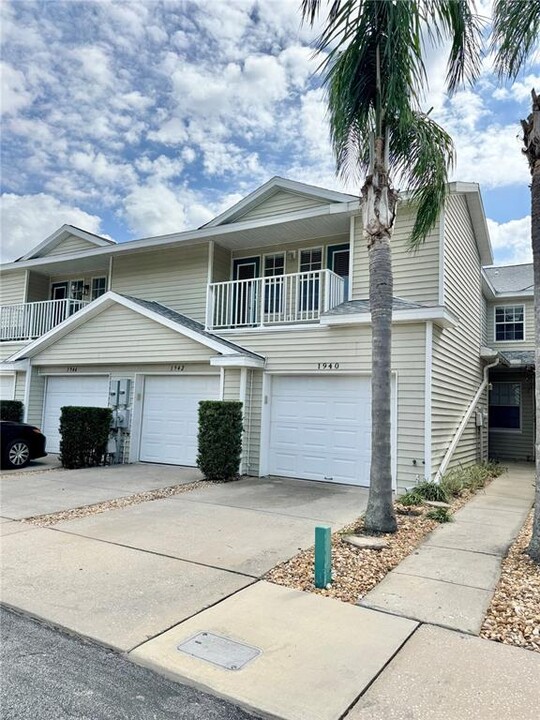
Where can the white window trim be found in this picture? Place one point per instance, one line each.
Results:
(511, 431)
(509, 305)
(305, 249)
(97, 277)
(279, 253)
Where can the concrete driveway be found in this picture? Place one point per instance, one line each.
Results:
(27, 493)
(126, 575)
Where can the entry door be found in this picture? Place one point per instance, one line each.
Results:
(83, 391)
(170, 417)
(338, 262)
(245, 293)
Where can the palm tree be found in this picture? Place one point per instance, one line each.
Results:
(373, 69)
(515, 37)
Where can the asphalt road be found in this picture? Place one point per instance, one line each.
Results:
(47, 675)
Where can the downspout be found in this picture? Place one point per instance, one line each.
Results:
(463, 424)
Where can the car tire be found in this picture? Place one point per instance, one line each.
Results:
(17, 455)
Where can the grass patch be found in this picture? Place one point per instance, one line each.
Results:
(441, 515)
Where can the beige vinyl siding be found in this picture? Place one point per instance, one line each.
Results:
(299, 351)
(281, 203)
(7, 349)
(12, 288)
(120, 335)
(516, 445)
(253, 415)
(416, 274)
(457, 369)
(528, 343)
(20, 382)
(231, 385)
(35, 401)
(38, 287)
(72, 244)
(292, 251)
(176, 277)
(221, 271)
(485, 312)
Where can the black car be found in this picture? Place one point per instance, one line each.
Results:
(20, 443)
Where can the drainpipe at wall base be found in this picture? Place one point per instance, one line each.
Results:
(463, 424)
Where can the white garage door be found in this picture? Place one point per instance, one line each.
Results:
(83, 391)
(170, 417)
(320, 428)
(7, 386)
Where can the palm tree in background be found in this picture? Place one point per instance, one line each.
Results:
(515, 38)
(374, 71)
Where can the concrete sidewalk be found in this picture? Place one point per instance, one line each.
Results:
(450, 579)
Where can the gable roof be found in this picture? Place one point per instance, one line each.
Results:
(152, 310)
(270, 188)
(511, 278)
(62, 234)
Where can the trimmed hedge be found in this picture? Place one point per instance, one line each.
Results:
(11, 410)
(84, 435)
(220, 439)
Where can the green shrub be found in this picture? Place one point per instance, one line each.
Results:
(431, 491)
(410, 498)
(220, 439)
(453, 482)
(84, 435)
(11, 410)
(441, 515)
(472, 478)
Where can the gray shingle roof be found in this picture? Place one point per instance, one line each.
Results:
(352, 307)
(189, 323)
(519, 357)
(511, 278)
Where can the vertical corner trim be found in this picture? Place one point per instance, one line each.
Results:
(441, 254)
(351, 257)
(427, 401)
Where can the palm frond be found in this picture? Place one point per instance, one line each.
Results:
(515, 36)
(422, 154)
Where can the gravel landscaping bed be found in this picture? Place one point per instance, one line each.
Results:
(514, 614)
(136, 499)
(356, 571)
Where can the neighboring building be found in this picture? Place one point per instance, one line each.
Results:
(267, 304)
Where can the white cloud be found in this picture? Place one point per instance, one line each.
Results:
(26, 220)
(511, 240)
(14, 94)
(156, 209)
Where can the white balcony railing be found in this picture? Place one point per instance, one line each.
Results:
(281, 299)
(26, 321)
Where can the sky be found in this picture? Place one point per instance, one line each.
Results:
(143, 117)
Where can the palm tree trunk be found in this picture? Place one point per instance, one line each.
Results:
(378, 210)
(531, 128)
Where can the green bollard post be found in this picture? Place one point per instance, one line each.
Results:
(323, 556)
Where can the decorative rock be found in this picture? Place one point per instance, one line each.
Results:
(436, 504)
(364, 542)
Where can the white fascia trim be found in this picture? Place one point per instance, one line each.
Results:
(102, 303)
(192, 236)
(439, 316)
(427, 401)
(273, 185)
(237, 361)
(63, 232)
(17, 366)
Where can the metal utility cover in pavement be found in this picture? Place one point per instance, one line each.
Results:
(220, 651)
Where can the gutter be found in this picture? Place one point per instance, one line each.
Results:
(463, 424)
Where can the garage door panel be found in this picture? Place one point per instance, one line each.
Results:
(320, 428)
(81, 391)
(169, 426)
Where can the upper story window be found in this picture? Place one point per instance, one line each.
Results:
(310, 260)
(509, 323)
(99, 287)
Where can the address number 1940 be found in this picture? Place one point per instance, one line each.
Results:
(328, 366)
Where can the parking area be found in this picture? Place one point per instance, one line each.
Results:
(126, 575)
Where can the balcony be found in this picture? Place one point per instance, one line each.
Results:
(27, 321)
(277, 300)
